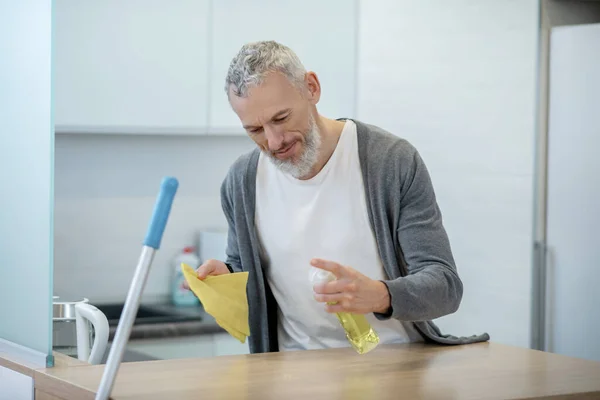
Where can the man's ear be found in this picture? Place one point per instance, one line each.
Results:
(313, 86)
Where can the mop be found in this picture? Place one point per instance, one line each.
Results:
(151, 243)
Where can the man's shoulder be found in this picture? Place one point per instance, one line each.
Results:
(244, 161)
(240, 167)
(381, 146)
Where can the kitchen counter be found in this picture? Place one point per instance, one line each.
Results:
(477, 371)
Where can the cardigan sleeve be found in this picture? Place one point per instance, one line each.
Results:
(431, 287)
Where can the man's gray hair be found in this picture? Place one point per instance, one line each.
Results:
(255, 60)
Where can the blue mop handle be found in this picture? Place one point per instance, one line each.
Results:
(162, 209)
(152, 241)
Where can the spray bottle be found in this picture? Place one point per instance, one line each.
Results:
(359, 331)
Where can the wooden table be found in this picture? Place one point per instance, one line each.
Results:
(477, 371)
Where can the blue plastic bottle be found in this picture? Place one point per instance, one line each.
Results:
(179, 295)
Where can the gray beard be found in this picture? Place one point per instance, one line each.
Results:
(310, 153)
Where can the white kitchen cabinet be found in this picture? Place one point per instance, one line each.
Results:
(226, 345)
(197, 346)
(14, 385)
(135, 66)
(322, 33)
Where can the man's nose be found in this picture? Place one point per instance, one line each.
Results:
(274, 138)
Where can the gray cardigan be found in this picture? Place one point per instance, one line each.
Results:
(407, 223)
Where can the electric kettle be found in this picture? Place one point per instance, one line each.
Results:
(75, 325)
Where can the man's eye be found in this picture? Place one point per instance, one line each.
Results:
(280, 119)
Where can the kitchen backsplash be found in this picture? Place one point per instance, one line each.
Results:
(105, 190)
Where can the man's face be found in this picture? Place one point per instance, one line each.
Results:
(279, 119)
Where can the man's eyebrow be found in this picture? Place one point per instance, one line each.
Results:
(278, 114)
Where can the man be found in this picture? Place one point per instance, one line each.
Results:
(337, 195)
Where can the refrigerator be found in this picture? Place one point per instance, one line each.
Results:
(571, 261)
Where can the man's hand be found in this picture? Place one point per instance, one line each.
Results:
(352, 291)
(210, 267)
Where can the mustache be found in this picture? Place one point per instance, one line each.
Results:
(284, 147)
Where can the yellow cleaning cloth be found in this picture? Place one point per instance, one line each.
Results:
(223, 297)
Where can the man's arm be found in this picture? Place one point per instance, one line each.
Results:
(432, 287)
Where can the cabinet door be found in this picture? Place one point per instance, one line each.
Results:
(322, 33)
(135, 66)
(14, 385)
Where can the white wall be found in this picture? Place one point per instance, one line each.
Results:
(457, 79)
(106, 186)
(26, 142)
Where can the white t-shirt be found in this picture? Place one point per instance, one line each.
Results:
(325, 217)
